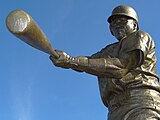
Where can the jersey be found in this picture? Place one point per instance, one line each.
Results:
(139, 88)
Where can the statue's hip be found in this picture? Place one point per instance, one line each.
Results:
(135, 104)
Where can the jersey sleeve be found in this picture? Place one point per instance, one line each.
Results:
(140, 41)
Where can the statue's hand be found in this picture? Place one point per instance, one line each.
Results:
(62, 61)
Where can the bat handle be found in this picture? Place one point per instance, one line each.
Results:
(55, 54)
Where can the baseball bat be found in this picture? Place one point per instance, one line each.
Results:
(23, 26)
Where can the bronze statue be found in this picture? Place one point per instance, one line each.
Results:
(126, 70)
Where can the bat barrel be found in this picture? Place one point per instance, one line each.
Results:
(22, 25)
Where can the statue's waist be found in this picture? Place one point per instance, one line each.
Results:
(134, 98)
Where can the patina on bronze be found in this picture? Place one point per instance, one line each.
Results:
(22, 25)
(126, 70)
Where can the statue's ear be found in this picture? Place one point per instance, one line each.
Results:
(111, 30)
(135, 25)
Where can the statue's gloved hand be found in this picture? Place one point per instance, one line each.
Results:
(62, 60)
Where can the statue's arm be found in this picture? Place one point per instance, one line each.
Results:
(110, 67)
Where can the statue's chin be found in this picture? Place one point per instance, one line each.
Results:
(120, 36)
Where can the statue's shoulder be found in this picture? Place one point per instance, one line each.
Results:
(142, 34)
(138, 40)
(105, 51)
(110, 46)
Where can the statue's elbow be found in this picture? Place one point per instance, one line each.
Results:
(121, 73)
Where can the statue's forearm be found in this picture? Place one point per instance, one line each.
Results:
(110, 67)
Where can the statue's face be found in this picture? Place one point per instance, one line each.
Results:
(121, 27)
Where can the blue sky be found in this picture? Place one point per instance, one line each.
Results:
(31, 88)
